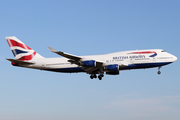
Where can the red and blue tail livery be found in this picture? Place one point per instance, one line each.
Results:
(20, 50)
(94, 65)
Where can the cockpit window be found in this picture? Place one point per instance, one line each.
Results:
(163, 51)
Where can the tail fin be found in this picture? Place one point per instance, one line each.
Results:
(20, 50)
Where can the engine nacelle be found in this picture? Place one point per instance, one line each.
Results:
(88, 63)
(112, 69)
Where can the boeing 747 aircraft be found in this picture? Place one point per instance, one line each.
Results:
(93, 65)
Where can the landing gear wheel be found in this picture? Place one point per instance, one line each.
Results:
(95, 76)
(91, 77)
(159, 72)
(100, 78)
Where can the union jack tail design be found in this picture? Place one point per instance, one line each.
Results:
(20, 50)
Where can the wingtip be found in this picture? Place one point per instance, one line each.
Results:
(52, 49)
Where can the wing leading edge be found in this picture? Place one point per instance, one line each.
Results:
(66, 55)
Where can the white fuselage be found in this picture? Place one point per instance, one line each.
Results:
(135, 59)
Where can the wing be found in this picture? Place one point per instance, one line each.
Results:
(69, 56)
(99, 65)
(77, 59)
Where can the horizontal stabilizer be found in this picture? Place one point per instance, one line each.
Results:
(20, 62)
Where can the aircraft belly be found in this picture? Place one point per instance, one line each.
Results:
(66, 70)
(145, 65)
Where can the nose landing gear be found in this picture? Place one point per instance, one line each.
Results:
(159, 72)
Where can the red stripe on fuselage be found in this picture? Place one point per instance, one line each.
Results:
(144, 52)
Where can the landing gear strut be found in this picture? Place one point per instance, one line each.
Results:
(100, 72)
(159, 72)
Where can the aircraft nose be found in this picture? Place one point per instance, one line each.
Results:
(174, 58)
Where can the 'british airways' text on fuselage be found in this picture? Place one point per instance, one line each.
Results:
(129, 57)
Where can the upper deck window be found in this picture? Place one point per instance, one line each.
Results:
(163, 51)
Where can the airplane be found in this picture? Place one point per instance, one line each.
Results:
(94, 65)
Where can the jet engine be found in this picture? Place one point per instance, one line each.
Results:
(88, 63)
(112, 69)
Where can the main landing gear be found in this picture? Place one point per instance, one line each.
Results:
(93, 76)
(159, 72)
(99, 76)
